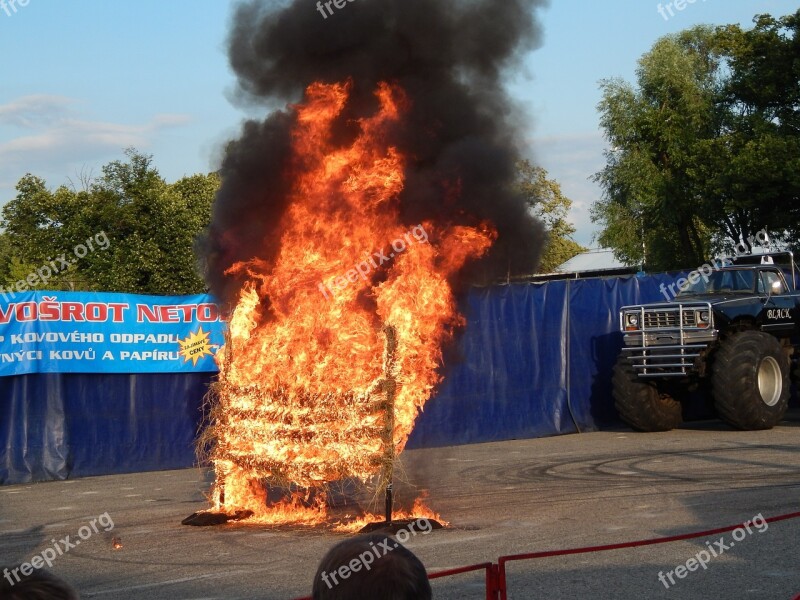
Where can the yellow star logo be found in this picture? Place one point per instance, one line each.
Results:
(195, 346)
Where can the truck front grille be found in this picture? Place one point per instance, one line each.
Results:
(667, 340)
(664, 319)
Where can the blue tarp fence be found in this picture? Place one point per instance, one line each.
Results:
(534, 360)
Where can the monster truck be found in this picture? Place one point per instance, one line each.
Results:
(731, 330)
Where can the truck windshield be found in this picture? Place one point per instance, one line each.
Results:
(721, 282)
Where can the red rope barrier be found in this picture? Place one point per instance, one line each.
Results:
(492, 583)
(496, 587)
(459, 570)
(606, 547)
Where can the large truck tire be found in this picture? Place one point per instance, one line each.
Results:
(750, 381)
(640, 404)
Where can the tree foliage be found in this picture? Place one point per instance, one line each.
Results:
(549, 204)
(705, 148)
(150, 226)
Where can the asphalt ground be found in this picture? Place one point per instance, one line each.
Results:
(500, 498)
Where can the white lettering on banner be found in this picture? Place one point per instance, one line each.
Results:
(73, 354)
(50, 310)
(24, 356)
(136, 338)
(52, 336)
(125, 355)
(177, 313)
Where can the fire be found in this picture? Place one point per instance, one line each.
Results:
(301, 399)
(418, 511)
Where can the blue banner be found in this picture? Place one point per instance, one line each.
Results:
(83, 332)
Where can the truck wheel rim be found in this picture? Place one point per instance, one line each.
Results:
(770, 381)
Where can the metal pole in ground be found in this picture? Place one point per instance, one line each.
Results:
(390, 391)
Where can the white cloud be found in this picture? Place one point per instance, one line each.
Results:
(49, 136)
(32, 112)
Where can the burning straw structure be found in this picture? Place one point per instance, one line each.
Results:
(397, 119)
(280, 417)
(265, 408)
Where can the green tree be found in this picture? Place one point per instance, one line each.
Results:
(751, 168)
(141, 227)
(651, 203)
(12, 267)
(549, 204)
(704, 149)
(34, 229)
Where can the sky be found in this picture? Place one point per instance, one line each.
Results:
(81, 80)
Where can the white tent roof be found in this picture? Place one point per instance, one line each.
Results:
(598, 259)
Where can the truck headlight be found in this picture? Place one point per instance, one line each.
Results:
(631, 321)
(703, 318)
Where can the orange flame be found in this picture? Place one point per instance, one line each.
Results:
(299, 399)
(418, 511)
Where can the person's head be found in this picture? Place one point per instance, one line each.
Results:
(37, 585)
(371, 566)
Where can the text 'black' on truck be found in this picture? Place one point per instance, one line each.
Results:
(732, 331)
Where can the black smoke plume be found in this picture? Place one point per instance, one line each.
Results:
(450, 56)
